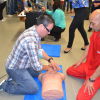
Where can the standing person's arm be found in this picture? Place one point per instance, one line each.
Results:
(90, 82)
(82, 58)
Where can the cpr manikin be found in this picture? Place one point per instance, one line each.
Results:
(52, 85)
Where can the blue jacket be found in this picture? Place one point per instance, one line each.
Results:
(79, 3)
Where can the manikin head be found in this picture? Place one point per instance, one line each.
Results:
(44, 25)
(95, 20)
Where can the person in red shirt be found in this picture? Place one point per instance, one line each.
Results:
(90, 70)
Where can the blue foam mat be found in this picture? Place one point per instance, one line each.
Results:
(52, 50)
(72, 16)
(38, 95)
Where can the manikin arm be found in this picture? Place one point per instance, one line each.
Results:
(63, 76)
(39, 77)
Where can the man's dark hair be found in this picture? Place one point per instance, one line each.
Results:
(57, 4)
(44, 19)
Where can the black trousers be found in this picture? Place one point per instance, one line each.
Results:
(56, 32)
(78, 22)
(2, 5)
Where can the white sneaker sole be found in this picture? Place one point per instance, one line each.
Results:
(2, 82)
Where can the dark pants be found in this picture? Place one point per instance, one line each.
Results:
(78, 22)
(2, 6)
(56, 32)
(92, 9)
(64, 5)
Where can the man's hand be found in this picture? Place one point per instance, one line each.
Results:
(50, 68)
(76, 65)
(89, 86)
(54, 65)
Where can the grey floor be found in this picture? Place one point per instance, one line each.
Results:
(13, 27)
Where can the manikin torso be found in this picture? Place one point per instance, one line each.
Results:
(52, 85)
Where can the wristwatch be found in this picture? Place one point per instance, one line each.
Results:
(50, 59)
(91, 80)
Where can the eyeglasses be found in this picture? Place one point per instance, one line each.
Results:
(47, 28)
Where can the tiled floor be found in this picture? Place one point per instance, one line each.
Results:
(13, 27)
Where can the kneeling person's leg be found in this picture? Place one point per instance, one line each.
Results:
(79, 72)
(85, 96)
(26, 84)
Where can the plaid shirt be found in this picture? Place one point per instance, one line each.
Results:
(25, 51)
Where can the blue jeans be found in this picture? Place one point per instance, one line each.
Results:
(12, 10)
(8, 2)
(21, 3)
(34, 1)
(45, 4)
(64, 5)
(24, 78)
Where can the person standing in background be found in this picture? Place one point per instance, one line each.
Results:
(64, 5)
(81, 13)
(2, 6)
(8, 8)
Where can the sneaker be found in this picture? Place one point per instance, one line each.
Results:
(90, 29)
(2, 85)
(9, 15)
(9, 79)
(42, 39)
(3, 20)
(56, 40)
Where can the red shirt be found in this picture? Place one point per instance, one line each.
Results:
(93, 57)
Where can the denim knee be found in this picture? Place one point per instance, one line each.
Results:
(34, 90)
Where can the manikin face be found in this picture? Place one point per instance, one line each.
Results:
(46, 30)
(94, 23)
(52, 2)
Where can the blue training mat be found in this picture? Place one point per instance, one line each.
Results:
(52, 50)
(38, 95)
(72, 16)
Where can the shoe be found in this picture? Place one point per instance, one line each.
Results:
(9, 15)
(56, 40)
(2, 85)
(90, 29)
(9, 79)
(67, 12)
(42, 39)
(70, 11)
(66, 51)
(3, 20)
(83, 48)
